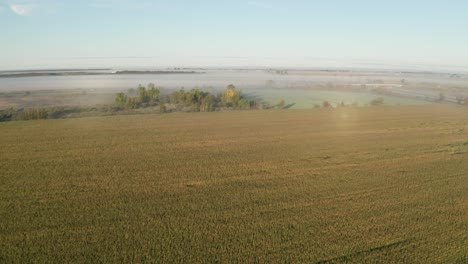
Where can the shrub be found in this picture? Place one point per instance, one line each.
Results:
(281, 104)
(120, 99)
(132, 103)
(33, 114)
(7, 115)
(377, 101)
(162, 108)
(244, 104)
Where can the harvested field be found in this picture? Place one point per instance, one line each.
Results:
(376, 184)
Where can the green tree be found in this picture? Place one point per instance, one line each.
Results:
(33, 114)
(7, 115)
(194, 96)
(150, 86)
(120, 99)
(177, 97)
(132, 103)
(207, 103)
(244, 104)
(142, 95)
(377, 101)
(153, 94)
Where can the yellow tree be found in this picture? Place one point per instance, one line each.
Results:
(231, 96)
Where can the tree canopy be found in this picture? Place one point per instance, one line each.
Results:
(195, 100)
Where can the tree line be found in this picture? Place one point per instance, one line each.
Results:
(194, 100)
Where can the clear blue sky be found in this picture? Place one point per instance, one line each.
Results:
(109, 33)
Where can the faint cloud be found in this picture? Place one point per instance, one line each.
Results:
(32, 7)
(22, 9)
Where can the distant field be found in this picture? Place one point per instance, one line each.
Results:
(303, 98)
(298, 98)
(376, 184)
(303, 88)
(52, 98)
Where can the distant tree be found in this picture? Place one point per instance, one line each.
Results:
(120, 99)
(142, 95)
(150, 86)
(177, 97)
(281, 104)
(256, 104)
(377, 101)
(230, 96)
(326, 104)
(132, 103)
(7, 115)
(244, 104)
(281, 72)
(153, 95)
(207, 103)
(33, 114)
(162, 108)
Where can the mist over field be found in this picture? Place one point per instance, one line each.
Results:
(301, 88)
(250, 131)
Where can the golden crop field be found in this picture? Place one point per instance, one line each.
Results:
(364, 185)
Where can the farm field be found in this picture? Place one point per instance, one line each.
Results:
(296, 98)
(299, 89)
(375, 185)
(304, 98)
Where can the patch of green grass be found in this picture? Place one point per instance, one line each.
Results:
(309, 98)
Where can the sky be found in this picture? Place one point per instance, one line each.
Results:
(240, 33)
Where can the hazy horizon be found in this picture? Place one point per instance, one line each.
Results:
(126, 63)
